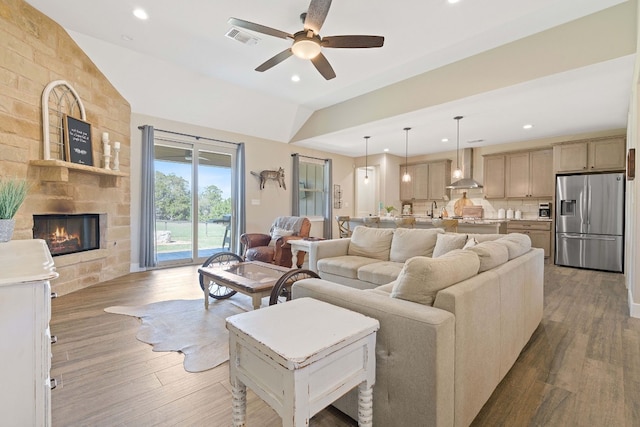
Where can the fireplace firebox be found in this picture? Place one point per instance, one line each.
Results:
(67, 234)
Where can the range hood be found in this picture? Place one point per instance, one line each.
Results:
(467, 168)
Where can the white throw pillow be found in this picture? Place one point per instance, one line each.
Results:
(422, 277)
(471, 242)
(277, 233)
(447, 242)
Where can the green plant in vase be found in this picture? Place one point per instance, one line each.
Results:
(13, 192)
(389, 209)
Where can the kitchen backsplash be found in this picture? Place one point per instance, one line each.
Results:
(528, 207)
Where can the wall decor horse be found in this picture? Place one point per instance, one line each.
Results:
(274, 175)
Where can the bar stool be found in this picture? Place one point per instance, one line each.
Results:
(407, 222)
(344, 228)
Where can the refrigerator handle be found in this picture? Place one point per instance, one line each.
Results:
(588, 205)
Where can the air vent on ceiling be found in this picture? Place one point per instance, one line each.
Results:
(242, 37)
(475, 141)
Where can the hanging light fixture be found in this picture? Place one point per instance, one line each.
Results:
(366, 164)
(406, 177)
(457, 174)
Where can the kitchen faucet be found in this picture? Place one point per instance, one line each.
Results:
(434, 206)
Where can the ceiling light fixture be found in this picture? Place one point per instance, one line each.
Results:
(366, 161)
(406, 177)
(527, 127)
(306, 44)
(295, 78)
(140, 14)
(457, 174)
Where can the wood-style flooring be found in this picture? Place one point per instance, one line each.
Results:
(581, 367)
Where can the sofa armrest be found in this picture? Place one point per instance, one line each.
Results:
(414, 355)
(326, 249)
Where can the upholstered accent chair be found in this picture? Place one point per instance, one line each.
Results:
(273, 247)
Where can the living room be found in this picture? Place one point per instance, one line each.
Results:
(40, 51)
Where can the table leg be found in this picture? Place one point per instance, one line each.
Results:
(256, 300)
(294, 256)
(206, 297)
(239, 404)
(365, 405)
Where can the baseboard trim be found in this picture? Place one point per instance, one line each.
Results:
(135, 268)
(634, 309)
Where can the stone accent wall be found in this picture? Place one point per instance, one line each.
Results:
(34, 50)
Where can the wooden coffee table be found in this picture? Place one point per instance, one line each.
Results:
(226, 273)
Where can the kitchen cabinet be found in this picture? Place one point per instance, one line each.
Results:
(493, 186)
(529, 174)
(428, 181)
(25, 311)
(538, 231)
(603, 154)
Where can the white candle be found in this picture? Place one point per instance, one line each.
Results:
(116, 145)
(105, 136)
(107, 150)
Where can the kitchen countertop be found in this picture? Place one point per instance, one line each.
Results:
(428, 220)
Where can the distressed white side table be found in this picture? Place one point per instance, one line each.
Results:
(301, 356)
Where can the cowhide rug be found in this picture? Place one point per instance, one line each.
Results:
(185, 326)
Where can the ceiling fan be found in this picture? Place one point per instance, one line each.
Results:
(307, 43)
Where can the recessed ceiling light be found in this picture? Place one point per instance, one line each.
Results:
(527, 126)
(140, 14)
(386, 150)
(452, 1)
(445, 139)
(295, 78)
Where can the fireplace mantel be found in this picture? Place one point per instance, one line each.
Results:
(58, 171)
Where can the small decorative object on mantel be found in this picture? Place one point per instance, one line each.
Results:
(12, 195)
(270, 174)
(78, 147)
(116, 157)
(106, 150)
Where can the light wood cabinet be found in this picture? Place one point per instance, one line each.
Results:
(529, 174)
(25, 311)
(538, 231)
(428, 181)
(605, 154)
(494, 178)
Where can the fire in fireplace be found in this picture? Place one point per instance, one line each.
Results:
(67, 234)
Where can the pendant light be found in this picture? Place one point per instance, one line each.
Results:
(406, 177)
(457, 174)
(366, 164)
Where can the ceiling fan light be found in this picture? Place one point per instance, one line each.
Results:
(306, 48)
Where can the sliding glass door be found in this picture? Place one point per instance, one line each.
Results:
(193, 187)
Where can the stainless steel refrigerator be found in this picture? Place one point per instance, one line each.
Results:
(590, 221)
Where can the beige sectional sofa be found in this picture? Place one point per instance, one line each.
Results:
(438, 359)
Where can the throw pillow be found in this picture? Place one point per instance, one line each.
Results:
(471, 242)
(371, 242)
(277, 233)
(491, 254)
(421, 277)
(447, 242)
(407, 243)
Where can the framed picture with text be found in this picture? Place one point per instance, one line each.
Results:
(77, 141)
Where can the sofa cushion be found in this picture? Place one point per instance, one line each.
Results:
(421, 277)
(447, 242)
(380, 273)
(407, 243)
(371, 242)
(517, 244)
(345, 266)
(471, 242)
(491, 254)
(482, 237)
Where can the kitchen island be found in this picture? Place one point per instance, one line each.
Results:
(481, 226)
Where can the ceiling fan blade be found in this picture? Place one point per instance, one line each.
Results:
(352, 41)
(259, 28)
(316, 14)
(322, 64)
(275, 60)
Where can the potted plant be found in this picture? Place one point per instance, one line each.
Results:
(389, 209)
(12, 194)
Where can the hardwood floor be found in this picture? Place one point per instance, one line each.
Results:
(581, 367)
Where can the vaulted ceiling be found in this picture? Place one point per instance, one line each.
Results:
(564, 66)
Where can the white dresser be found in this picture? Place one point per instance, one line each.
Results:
(26, 267)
